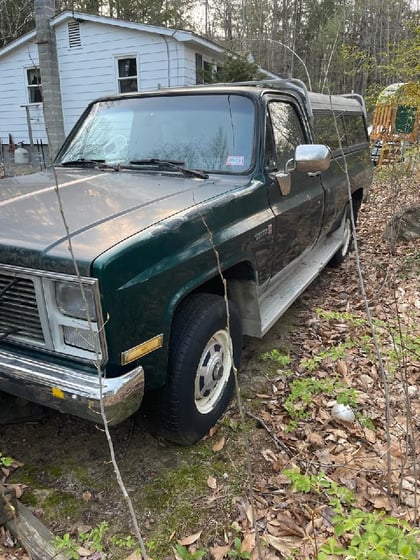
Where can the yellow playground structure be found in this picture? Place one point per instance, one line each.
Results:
(396, 122)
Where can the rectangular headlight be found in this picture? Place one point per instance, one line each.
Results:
(81, 338)
(73, 310)
(74, 301)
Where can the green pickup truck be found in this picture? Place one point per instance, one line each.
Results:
(172, 223)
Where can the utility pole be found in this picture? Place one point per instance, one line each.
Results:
(50, 77)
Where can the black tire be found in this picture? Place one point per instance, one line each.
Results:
(345, 248)
(192, 400)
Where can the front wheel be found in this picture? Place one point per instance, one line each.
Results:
(201, 381)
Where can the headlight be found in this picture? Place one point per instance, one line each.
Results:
(71, 301)
(81, 338)
(74, 317)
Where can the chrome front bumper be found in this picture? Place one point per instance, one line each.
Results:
(72, 391)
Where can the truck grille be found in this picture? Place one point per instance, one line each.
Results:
(19, 316)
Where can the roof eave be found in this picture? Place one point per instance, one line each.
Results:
(18, 42)
(177, 34)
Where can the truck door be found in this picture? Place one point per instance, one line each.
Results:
(298, 214)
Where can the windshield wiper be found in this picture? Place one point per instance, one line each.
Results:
(170, 164)
(91, 163)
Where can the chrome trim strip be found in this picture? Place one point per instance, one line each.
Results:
(30, 272)
(34, 380)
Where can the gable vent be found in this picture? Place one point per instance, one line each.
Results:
(74, 34)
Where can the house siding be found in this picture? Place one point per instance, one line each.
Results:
(90, 71)
(14, 94)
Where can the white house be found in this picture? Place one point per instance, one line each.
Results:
(97, 56)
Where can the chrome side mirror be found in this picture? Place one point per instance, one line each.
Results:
(312, 157)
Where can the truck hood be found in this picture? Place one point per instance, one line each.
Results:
(101, 209)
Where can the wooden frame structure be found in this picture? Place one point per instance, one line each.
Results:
(396, 122)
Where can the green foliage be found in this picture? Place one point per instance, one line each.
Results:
(95, 540)
(282, 360)
(5, 461)
(342, 316)
(68, 545)
(371, 536)
(333, 354)
(185, 554)
(123, 541)
(237, 553)
(320, 483)
(299, 402)
(233, 69)
(358, 534)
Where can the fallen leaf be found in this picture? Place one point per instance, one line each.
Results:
(83, 529)
(219, 445)
(315, 439)
(213, 431)
(249, 514)
(283, 525)
(84, 552)
(134, 556)
(342, 367)
(269, 455)
(212, 482)
(186, 541)
(248, 544)
(219, 552)
(285, 545)
(87, 496)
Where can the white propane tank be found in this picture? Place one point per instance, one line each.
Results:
(21, 156)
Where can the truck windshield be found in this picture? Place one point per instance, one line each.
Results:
(213, 133)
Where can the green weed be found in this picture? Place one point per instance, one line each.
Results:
(281, 360)
(185, 554)
(300, 401)
(371, 536)
(237, 553)
(95, 540)
(68, 545)
(358, 534)
(5, 461)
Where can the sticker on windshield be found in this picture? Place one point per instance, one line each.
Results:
(236, 160)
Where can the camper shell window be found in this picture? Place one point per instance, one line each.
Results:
(345, 129)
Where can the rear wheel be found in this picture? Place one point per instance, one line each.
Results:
(200, 378)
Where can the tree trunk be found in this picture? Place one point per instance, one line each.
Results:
(50, 77)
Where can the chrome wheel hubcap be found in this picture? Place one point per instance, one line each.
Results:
(213, 372)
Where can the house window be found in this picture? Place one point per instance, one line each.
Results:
(127, 75)
(204, 69)
(34, 85)
(199, 78)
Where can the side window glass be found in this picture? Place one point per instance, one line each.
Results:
(325, 130)
(287, 131)
(270, 162)
(355, 129)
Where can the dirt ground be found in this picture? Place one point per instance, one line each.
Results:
(179, 493)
